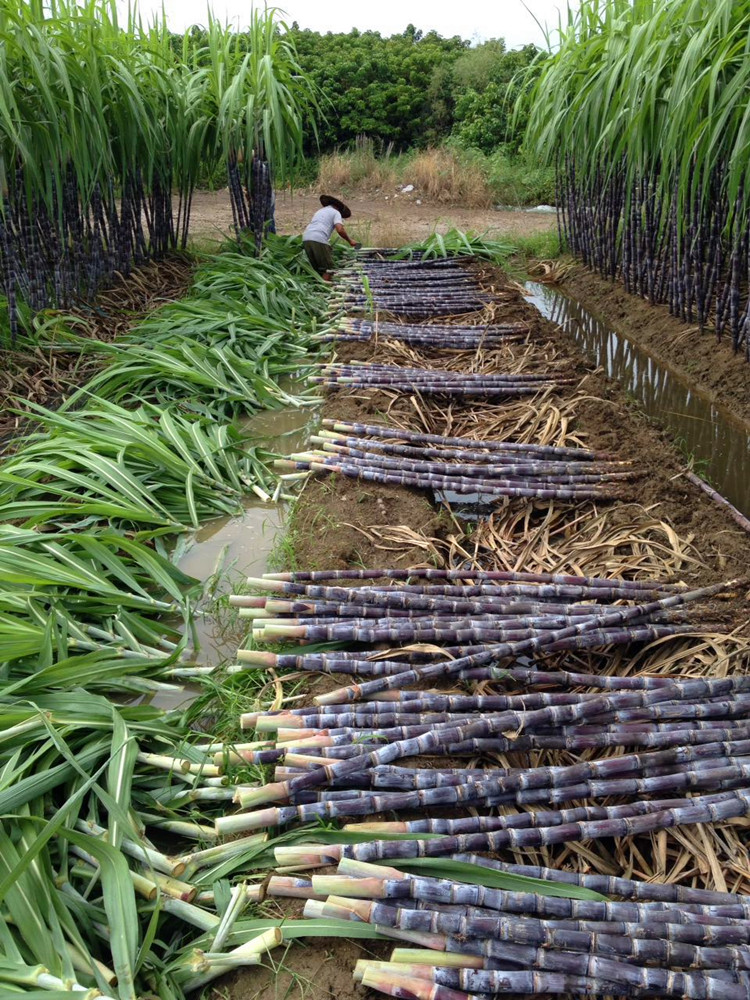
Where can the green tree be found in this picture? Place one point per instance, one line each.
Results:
(486, 83)
(382, 87)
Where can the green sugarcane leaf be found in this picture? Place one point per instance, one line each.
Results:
(120, 907)
(190, 496)
(463, 871)
(25, 908)
(50, 829)
(120, 776)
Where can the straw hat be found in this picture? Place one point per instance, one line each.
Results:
(328, 199)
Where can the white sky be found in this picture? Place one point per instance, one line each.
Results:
(473, 19)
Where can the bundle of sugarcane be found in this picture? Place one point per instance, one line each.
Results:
(409, 289)
(423, 279)
(422, 306)
(377, 266)
(432, 335)
(433, 381)
(483, 469)
(467, 607)
(655, 782)
(480, 940)
(507, 624)
(475, 446)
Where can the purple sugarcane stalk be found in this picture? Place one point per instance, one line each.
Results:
(443, 736)
(492, 982)
(484, 605)
(431, 630)
(645, 737)
(502, 650)
(442, 483)
(377, 430)
(485, 982)
(523, 938)
(407, 597)
(610, 885)
(509, 462)
(702, 810)
(505, 473)
(509, 576)
(351, 663)
(315, 757)
(377, 882)
(477, 793)
(548, 817)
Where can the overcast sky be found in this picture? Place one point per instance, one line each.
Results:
(473, 19)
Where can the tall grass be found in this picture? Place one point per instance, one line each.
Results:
(361, 166)
(644, 110)
(101, 121)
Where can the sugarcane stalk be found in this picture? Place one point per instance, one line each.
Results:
(702, 810)
(667, 892)
(190, 914)
(424, 573)
(297, 888)
(522, 938)
(725, 775)
(614, 617)
(378, 430)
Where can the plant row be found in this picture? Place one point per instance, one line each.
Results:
(102, 121)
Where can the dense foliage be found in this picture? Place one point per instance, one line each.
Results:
(645, 111)
(412, 89)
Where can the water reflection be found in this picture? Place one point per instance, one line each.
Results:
(709, 430)
(232, 548)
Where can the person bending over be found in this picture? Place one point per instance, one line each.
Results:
(315, 238)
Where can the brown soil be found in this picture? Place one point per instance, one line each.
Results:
(711, 366)
(376, 220)
(318, 969)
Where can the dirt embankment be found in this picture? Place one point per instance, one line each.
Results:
(342, 523)
(711, 366)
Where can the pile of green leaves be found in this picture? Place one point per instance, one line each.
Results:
(91, 603)
(86, 609)
(99, 489)
(229, 347)
(136, 469)
(456, 243)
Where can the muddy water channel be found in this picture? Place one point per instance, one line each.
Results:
(227, 549)
(719, 441)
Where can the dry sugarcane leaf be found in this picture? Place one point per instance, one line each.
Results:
(415, 648)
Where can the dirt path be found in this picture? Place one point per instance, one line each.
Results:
(377, 220)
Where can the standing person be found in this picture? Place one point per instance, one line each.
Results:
(315, 238)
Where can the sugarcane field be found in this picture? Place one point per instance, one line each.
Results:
(375, 490)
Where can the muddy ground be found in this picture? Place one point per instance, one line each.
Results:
(328, 532)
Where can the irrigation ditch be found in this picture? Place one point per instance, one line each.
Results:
(705, 428)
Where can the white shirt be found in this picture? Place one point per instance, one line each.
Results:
(322, 225)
